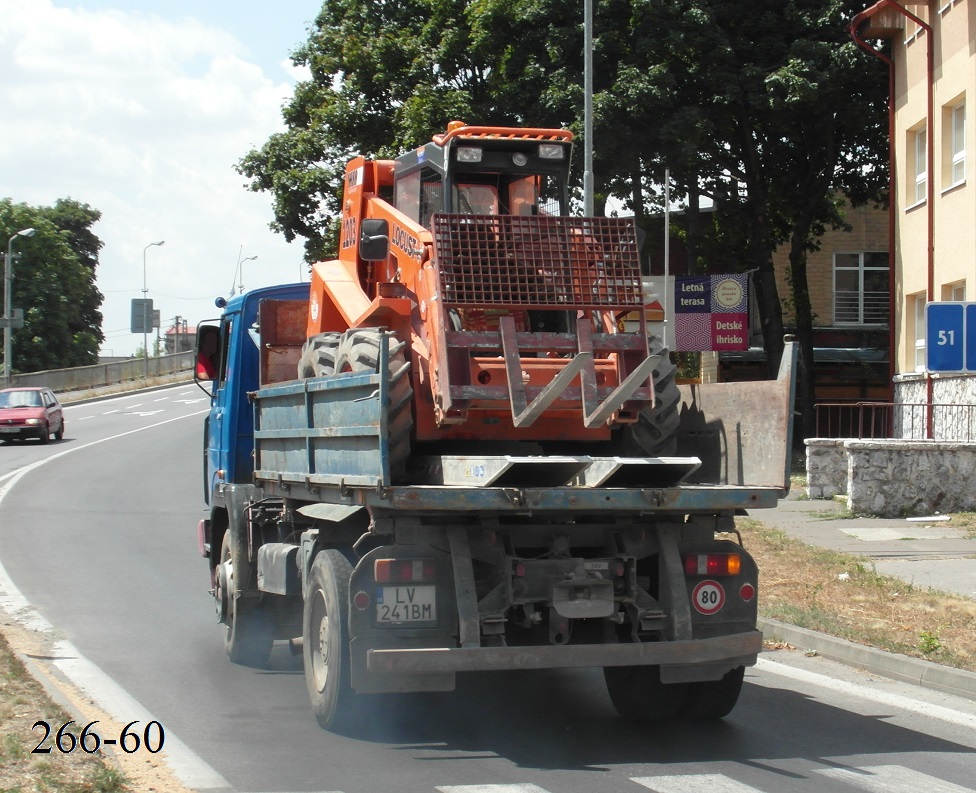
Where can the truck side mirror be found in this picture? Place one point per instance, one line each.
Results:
(374, 240)
(208, 347)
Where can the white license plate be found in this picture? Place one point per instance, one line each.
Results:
(406, 604)
(9, 429)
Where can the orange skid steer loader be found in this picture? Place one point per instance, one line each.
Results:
(504, 311)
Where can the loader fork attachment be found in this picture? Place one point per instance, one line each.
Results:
(595, 413)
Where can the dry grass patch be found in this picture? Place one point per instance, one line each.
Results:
(842, 595)
(23, 702)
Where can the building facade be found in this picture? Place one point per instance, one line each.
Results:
(933, 63)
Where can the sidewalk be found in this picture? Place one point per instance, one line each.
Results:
(926, 553)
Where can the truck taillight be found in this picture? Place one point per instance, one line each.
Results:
(404, 571)
(713, 564)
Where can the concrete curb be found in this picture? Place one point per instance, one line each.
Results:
(926, 674)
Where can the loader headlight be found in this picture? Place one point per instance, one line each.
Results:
(519, 159)
(469, 154)
(552, 151)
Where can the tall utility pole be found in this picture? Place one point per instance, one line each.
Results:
(8, 286)
(145, 310)
(588, 108)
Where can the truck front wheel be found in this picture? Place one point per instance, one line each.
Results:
(639, 695)
(249, 636)
(325, 638)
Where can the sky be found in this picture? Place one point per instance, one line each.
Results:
(141, 109)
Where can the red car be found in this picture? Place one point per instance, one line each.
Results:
(30, 413)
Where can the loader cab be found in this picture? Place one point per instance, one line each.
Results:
(484, 175)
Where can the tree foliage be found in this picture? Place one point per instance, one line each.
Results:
(766, 111)
(54, 283)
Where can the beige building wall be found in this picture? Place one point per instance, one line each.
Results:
(946, 202)
(869, 232)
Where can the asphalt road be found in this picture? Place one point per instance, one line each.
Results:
(97, 534)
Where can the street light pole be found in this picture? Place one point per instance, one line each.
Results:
(145, 310)
(240, 269)
(8, 284)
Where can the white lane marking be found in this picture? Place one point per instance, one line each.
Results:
(693, 783)
(143, 412)
(891, 779)
(112, 698)
(110, 412)
(106, 693)
(527, 788)
(883, 697)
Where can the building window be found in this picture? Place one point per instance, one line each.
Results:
(918, 161)
(918, 311)
(861, 288)
(958, 144)
(954, 292)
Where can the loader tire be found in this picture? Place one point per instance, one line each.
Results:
(359, 351)
(325, 639)
(249, 635)
(639, 695)
(656, 432)
(319, 356)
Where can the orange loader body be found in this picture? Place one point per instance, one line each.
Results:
(509, 308)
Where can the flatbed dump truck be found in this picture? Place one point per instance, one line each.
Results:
(446, 454)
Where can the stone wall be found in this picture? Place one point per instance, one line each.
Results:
(826, 468)
(894, 478)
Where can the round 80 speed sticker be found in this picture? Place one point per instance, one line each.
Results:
(708, 597)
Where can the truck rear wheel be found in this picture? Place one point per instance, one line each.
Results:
(319, 356)
(639, 695)
(325, 638)
(714, 699)
(359, 351)
(249, 636)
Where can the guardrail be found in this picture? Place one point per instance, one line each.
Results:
(902, 420)
(105, 374)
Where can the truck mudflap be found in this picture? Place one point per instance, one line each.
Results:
(713, 656)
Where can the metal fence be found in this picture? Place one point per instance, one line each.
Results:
(902, 420)
(105, 374)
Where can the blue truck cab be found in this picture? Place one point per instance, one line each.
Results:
(229, 428)
(230, 366)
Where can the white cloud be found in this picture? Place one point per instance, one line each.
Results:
(143, 118)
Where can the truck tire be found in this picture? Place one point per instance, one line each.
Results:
(318, 356)
(639, 695)
(359, 351)
(325, 638)
(713, 699)
(249, 634)
(656, 432)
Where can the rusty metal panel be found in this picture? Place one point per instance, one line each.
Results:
(742, 432)
(538, 261)
(283, 327)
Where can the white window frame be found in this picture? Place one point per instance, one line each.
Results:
(919, 139)
(957, 125)
(862, 296)
(919, 311)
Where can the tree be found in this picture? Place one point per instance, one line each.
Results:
(54, 284)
